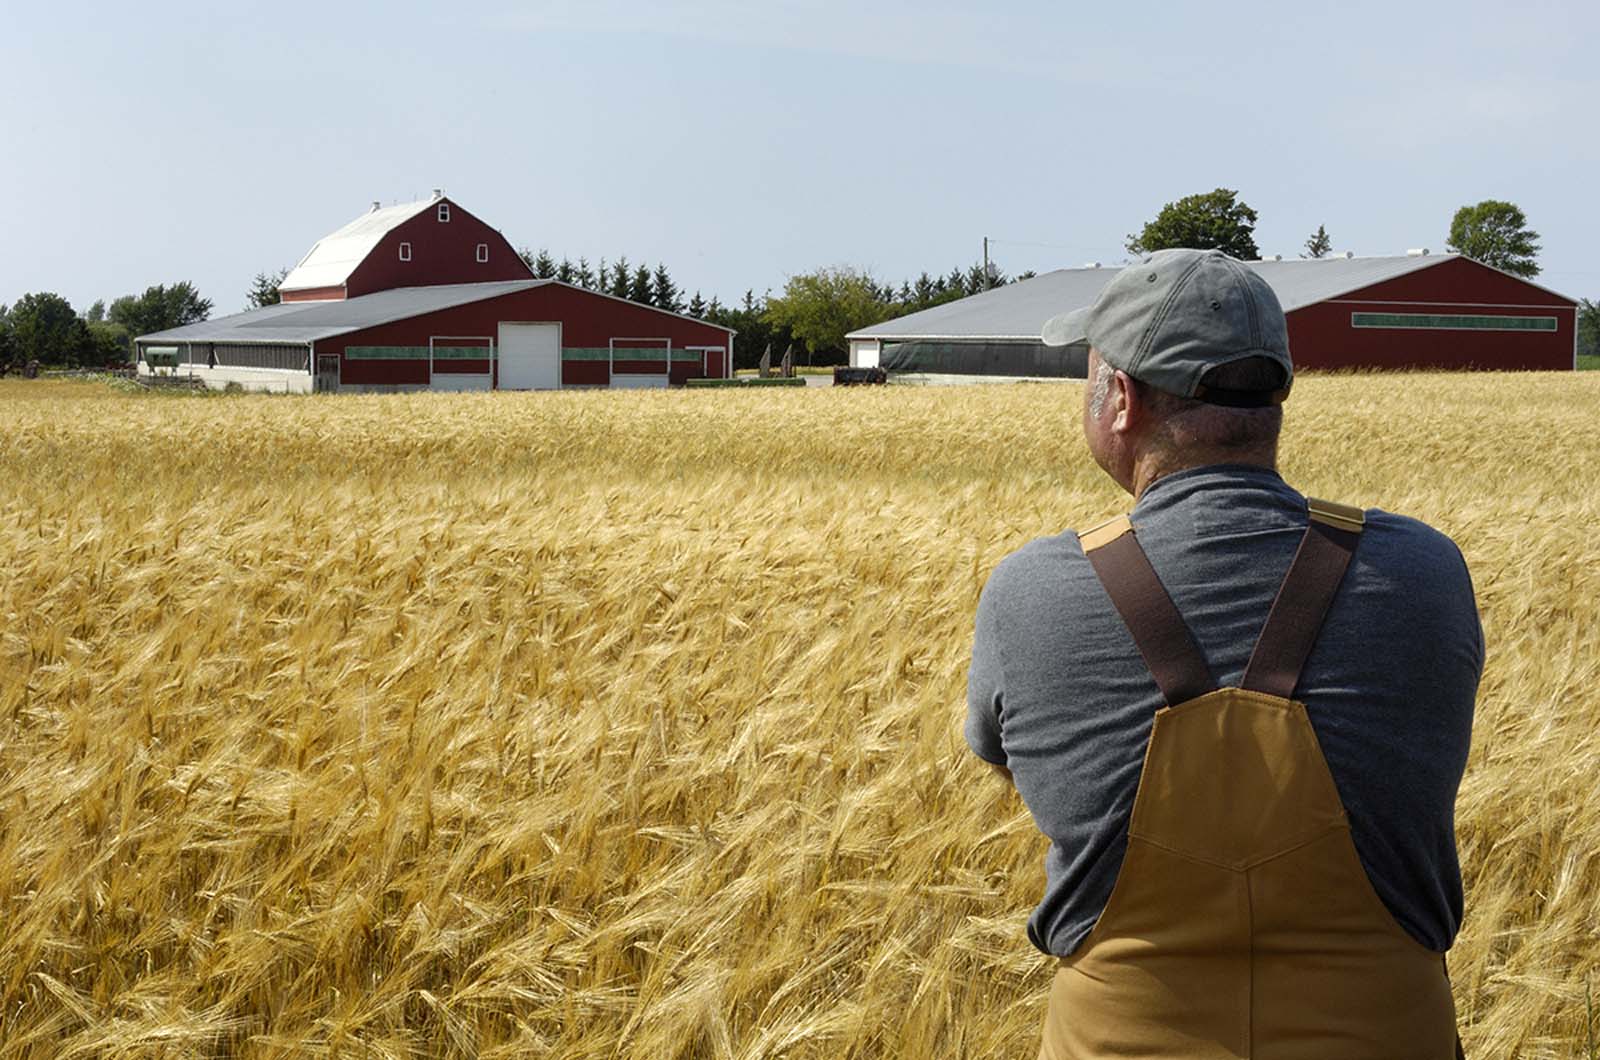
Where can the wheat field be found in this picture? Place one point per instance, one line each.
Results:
(625, 724)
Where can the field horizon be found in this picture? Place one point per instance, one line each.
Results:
(628, 724)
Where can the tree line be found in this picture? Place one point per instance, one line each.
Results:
(813, 315)
(43, 327)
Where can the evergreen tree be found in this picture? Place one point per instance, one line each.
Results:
(956, 281)
(603, 280)
(639, 286)
(922, 294)
(527, 256)
(619, 278)
(1319, 245)
(565, 271)
(584, 277)
(264, 289)
(544, 266)
(697, 306)
(663, 292)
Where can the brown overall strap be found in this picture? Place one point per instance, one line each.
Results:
(1158, 630)
(1303, 598)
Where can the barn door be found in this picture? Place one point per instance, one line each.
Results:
(327, 372)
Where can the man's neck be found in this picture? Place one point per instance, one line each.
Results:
(1154, 466)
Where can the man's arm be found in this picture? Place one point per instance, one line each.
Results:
(986, 685)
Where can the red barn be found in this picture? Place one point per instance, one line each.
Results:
(1418, 311)
(414, 244)
(426, 296)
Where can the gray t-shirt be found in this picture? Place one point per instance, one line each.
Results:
(1058, 694)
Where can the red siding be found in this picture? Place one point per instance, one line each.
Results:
(314, 294)
(587, 319)
(1321, 335)
(441, 252)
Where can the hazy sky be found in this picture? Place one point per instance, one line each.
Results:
(740, 142)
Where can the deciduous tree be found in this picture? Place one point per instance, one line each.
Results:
(44, 328)
(1496, 233)
(159, 308)
(1588, 328)
(1214, 220)
(820, 308)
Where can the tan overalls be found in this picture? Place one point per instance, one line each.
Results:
(1242, 923)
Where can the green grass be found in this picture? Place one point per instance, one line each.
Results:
(1589, 362)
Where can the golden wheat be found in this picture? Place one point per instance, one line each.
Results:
(626, 724)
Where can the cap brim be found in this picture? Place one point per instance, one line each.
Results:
(1066, 329)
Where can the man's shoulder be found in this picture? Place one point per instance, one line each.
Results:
(1401, 539)
(1042, 568)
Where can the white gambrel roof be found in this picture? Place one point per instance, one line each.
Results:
(334, 257)
(1019, 310)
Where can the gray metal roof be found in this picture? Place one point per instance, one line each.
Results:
(1019, 310)
(297, 322)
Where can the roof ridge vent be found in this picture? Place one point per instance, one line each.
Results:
(375, 205)
(438, 193)
(1091, 264)
(1417, 252)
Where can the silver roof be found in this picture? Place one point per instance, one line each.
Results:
(1019, 310)
(299, 322)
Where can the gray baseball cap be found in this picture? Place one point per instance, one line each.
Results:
(1176, 314)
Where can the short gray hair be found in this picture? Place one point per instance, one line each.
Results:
(1100, 388)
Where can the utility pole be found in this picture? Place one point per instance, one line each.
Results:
(985, 263)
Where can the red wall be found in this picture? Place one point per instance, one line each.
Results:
(587, 320)
(441, 252)
(1321, 336)
(314, 294)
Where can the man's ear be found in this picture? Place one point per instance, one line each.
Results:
(1126, 406)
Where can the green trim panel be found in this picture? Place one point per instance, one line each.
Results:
(478, 353)
(416, 353)
(1451, 323)
(602, 353)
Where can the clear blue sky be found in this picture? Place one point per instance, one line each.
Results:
(741, 142)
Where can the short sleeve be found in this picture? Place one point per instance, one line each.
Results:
(985, 683)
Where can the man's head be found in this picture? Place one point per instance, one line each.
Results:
(1188, 365)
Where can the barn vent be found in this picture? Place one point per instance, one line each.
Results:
(1417, 252)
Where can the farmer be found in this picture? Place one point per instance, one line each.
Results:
(1240, 716)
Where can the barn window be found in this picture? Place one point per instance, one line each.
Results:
(1452, 322)
(444, 211)
(483, 252)
(405, 251)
